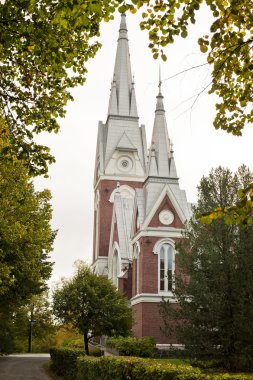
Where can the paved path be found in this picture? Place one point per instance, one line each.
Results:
(23, 367)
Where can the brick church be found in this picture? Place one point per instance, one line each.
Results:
(139, 209)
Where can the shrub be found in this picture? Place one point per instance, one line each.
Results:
(95, 351)
(143, 347)
(132, 368)
(64, 361)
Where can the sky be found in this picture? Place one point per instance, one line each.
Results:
(198, 147)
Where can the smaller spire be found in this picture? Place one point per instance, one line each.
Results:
(159, 102)
(160, 81)
(123, 27)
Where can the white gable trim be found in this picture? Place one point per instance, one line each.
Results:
(166, 191)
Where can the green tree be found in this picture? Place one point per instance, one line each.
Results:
(92, 304)
(229, 48)
(26, 237)
(45, 45)
(15, 327)
(214, 286)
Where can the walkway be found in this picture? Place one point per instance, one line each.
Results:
(23, 367)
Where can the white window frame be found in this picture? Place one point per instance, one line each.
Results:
(157, 250)
(137, 257)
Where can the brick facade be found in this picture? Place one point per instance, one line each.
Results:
(105, 188)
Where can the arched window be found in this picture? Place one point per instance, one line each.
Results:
(166, 264)
(137, 257)
(115, 267)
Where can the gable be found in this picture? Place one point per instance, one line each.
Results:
(161, 217)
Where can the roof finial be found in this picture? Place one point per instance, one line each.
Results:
(160, 81)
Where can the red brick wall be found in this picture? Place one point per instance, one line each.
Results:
(137, 314)
(148, 266)
(106, 188)
(149, 323)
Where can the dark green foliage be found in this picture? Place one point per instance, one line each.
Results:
(64, 361)
(122, 368)
(130, 346)
(214, 286)
(92, 305)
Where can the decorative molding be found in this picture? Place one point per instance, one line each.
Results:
(118, 178)
(160, 242)
(155, 232)
(166, 191)
(118, 117)
(161, 180)
(166, 217)
(125, 191)
(152, 298)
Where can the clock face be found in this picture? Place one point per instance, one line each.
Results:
(166, 217)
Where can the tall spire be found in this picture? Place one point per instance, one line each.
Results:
(161, 146)
(122, 99)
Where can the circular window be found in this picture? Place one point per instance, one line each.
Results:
(166, 217)
(125, 164)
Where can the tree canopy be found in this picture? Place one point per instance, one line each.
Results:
(92, 304)
(45, 45)
(26, 237)
(214, 283)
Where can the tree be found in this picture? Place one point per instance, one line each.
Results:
(214, 286)
(91, 304)
(15, 327)
(229, 46)
(44, 47)
(45, 56)
(26, 237)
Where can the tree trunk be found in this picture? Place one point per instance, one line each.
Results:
(86, 343)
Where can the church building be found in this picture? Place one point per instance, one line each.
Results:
(139, 208)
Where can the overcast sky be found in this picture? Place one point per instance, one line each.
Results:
(198, 146)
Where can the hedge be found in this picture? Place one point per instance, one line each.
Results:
(64, 361)
(132, 368)
(144, 347)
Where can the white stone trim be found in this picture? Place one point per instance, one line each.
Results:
(162, 232)
(156, 250)
(174, 202)
(100, 265)
(123, 189)
(160, 242)
(151, 297)
(118, 178)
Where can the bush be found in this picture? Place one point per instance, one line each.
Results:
(95, 351)
(132, 368)
(143, 347)
(64, 361)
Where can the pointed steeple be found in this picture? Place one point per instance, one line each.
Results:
(122, 99)
(160, 138)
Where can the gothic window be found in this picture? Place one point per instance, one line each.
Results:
(137, 257)
(166, 267)
(115, 267)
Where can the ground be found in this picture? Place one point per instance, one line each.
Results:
(24, 367)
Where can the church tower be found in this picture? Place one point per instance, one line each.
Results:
(160, 212)
(121, 151)
(140, 210)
